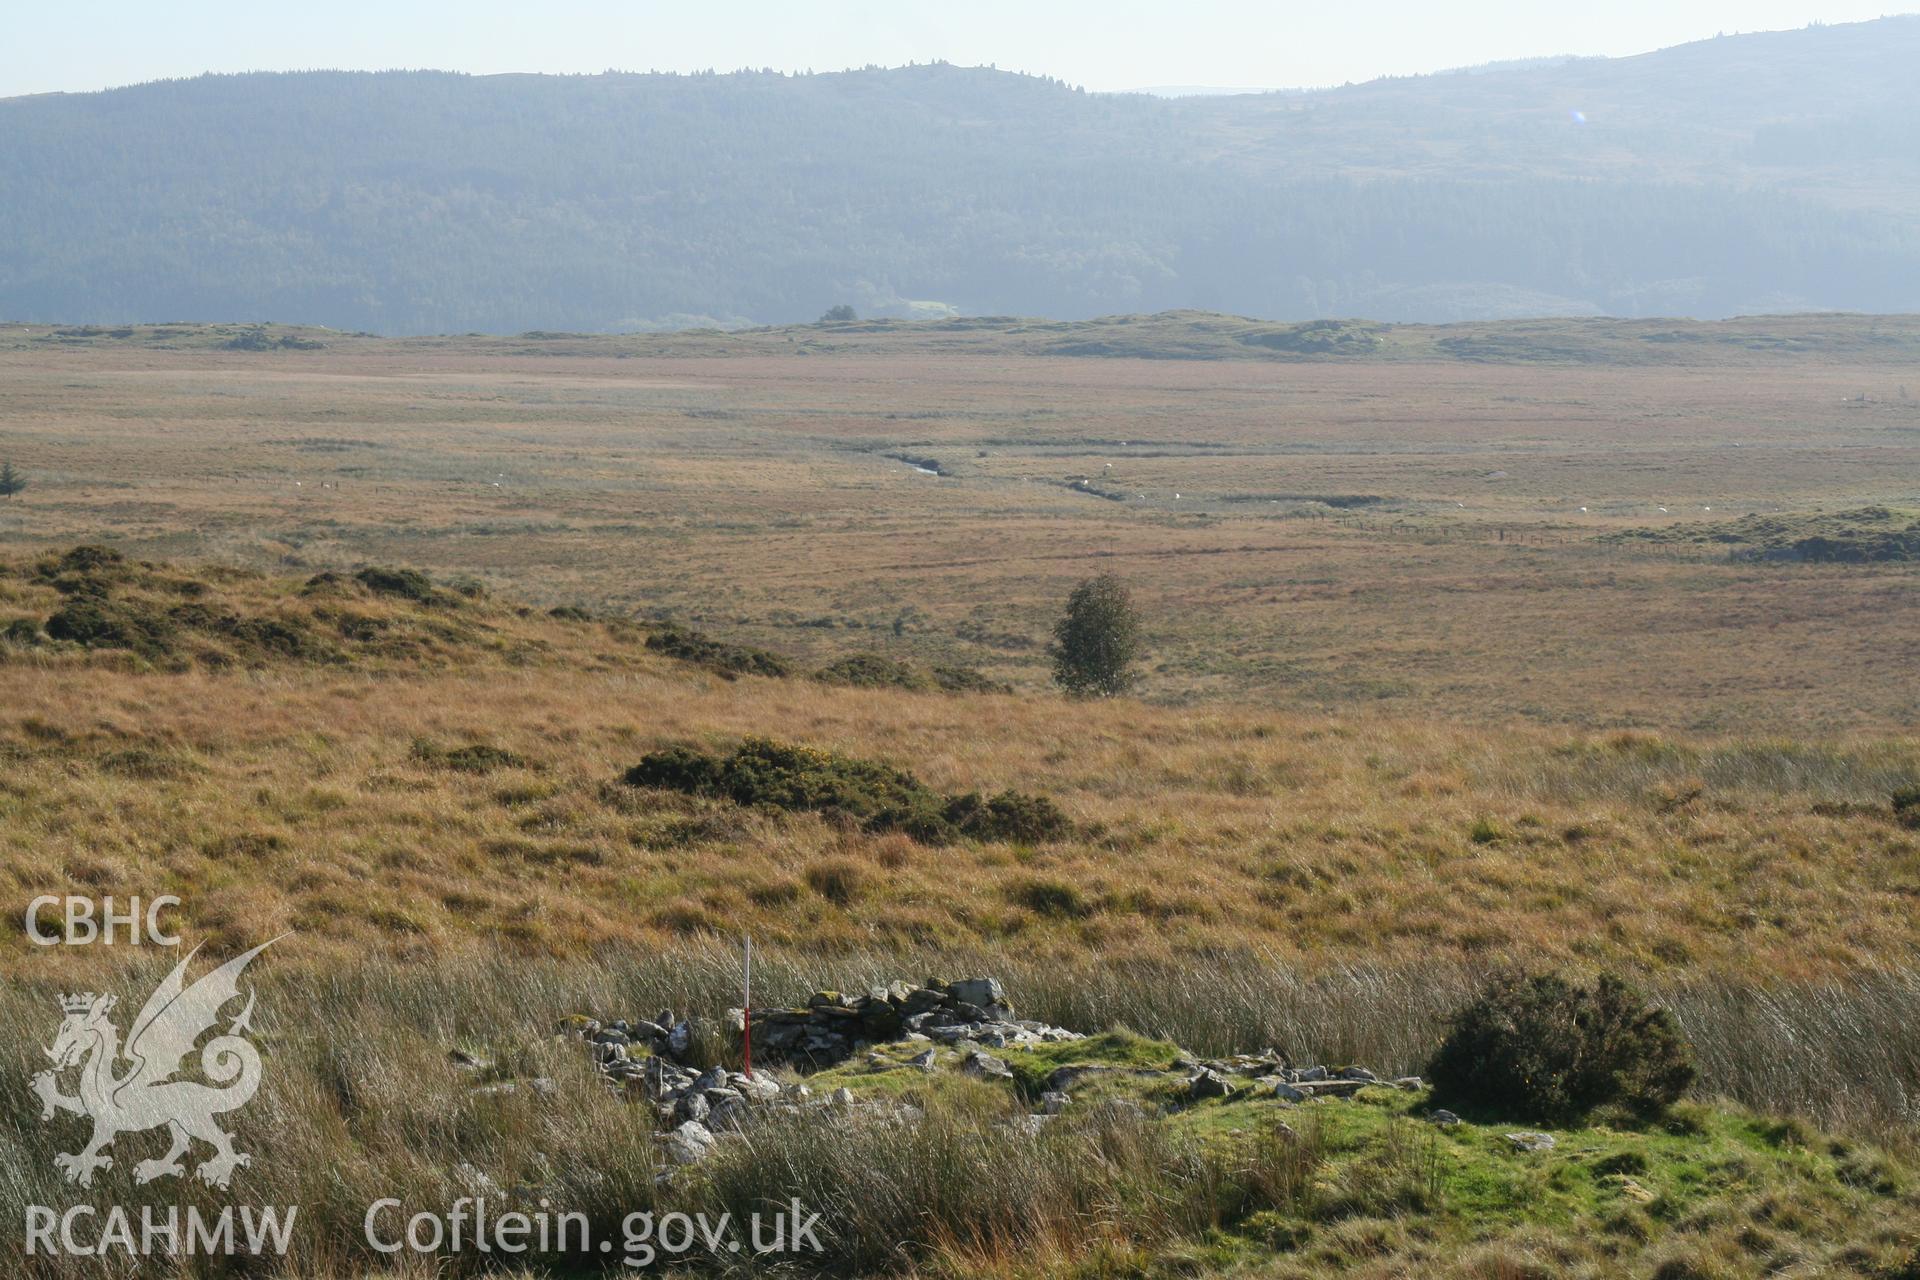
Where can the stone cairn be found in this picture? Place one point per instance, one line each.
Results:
(835, 1025)
(655, 1061)
(646, 1059)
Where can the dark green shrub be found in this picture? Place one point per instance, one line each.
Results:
(89, 558)
(917, 821)
(24, 632)
(1540, 1048)
(98, 625)
(1906, 807)
(966, 680)
(283, 637)
(872, 671)
(1054, 898)
(326, 582)
(678, 769)
(728, 660)
(1011, 815)
(87, 571)
(408, 584)
(254, 339)
(876, 796)
(87, 586)
(360, 628)
(762, 771)
(570, 613)
(877, 671)
(473, 758)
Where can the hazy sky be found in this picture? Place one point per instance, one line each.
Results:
(1103, 44)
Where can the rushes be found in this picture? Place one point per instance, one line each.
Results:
(1648, 769)
(960, 1181)
(360, 1102)
(1843, 1054)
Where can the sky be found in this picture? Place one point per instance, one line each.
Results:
(1101, 44)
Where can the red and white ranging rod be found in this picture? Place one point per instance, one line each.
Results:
(746, 1011)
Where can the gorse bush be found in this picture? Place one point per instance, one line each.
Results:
(98, 625)
(216, 617)
(1906, 806)
(276, 636)
(88, 557)
(1544, 1049)
(408, 584)
(725, 659)
(475, 757)
(877, 671)
(873, 671)
(876, 796)
(1010, 815)
(965, 680)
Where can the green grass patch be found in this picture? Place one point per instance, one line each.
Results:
(1116, 1048)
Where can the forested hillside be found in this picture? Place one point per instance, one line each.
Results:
(1744, 174)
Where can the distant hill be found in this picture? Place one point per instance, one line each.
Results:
(1747, 174)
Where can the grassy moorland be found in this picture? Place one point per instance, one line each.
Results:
(1307, 531)
(272, 641)
(268, 748)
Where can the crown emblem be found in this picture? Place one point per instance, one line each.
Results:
(77, 1004)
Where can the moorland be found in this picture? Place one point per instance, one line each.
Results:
(1572, 645)
(1412, 520)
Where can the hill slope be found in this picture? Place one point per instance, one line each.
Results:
(1755, 173)
(264, 746)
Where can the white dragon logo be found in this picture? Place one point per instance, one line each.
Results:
(145, 1096)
